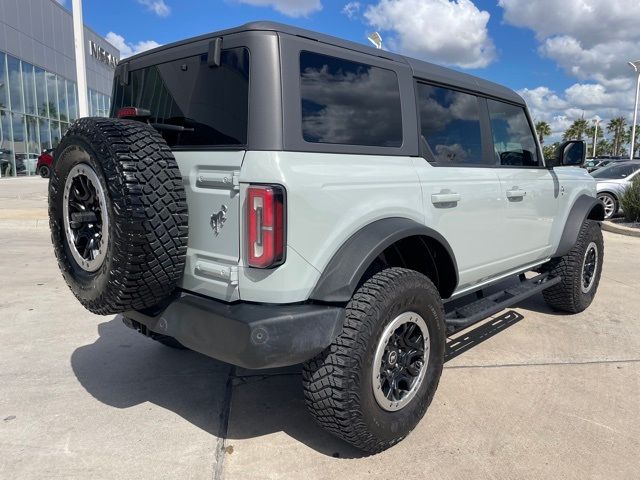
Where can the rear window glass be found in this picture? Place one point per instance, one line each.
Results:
(350, 103)
(211, 103)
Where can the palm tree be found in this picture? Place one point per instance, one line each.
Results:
(549, 151)
(577, 130)
(603, 147)
(617, 127)
(543, 129)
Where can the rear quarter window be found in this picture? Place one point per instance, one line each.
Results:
(349, 103)
(211, 103)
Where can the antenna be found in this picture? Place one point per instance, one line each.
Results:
(376, 39)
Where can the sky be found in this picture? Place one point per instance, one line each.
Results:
(567, 58)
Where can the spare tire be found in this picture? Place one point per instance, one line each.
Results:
(118, 215)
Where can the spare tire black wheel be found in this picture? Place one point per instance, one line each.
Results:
(118, 215)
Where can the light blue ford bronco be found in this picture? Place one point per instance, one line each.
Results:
(270, 196)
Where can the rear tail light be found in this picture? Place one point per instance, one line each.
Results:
(133, 112)
(265, 226)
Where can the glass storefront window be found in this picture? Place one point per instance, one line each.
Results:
(52, 92)
(29, 85)
(71, 100)
(7, 166)
(55, 134)
(36, 110)
(15, 84)
(33, 141)
(45, 133)
(4, 99)
(20, 144)
(62, 100)
(41, 93)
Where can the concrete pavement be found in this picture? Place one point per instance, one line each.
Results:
(532, 394)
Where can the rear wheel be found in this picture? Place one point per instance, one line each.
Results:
(373, 384)
(610, 204)
(45, 171)
(580, 270)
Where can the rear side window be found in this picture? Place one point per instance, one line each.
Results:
(211, 103)
(350, 103)
(513, 138)
(450, 126)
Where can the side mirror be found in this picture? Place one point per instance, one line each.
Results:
(571, 153)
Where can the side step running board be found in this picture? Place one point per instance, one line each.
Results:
(485, 307)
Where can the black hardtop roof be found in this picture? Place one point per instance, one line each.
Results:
(424, 70)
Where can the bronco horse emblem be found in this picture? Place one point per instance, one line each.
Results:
(218, 219)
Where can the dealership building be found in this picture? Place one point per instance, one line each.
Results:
(38, 90)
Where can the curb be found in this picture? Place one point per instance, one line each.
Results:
(619, 229)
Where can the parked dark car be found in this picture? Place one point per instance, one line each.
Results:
(603, 162)
(45, 163)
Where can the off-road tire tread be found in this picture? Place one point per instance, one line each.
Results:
(330, 379)
(567, 295)
(150, 218)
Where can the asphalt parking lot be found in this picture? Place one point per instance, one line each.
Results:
(527, 395)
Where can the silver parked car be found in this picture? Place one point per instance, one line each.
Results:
(612, 181)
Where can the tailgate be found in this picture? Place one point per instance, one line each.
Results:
(211, 183)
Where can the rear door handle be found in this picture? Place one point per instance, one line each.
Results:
(516, 193)
(449, 197)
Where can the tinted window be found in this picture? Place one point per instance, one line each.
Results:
(513, 138)
(450, 125)
(616, 170)
(210, 103)
(349, 103)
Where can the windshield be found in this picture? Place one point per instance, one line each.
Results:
(210, 103)
(616, 171)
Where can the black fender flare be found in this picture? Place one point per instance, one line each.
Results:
(585, 207)
(342, 274)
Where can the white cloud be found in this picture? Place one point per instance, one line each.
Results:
(291, 8)
(591, 40)
(156, 6)
(128, 49)
(580, 100)
(443, 31)
(351, 9)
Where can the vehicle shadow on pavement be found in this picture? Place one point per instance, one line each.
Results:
(123, 369)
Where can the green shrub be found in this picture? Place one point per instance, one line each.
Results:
(631, 201)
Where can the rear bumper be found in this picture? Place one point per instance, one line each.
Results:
(248, 335)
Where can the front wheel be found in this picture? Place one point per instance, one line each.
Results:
(374, 383)
(580, 271)
(45, 171)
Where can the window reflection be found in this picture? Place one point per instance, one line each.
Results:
(29, 81)
(349, 103)
(15, 84)
(4, 85)
(513, 138)
(450, 125)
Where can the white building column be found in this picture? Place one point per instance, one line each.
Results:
(81, 68)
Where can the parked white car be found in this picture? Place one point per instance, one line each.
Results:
(611, 183)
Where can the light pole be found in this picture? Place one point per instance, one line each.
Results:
(636, 67)
(595, 121)
(81, 71)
